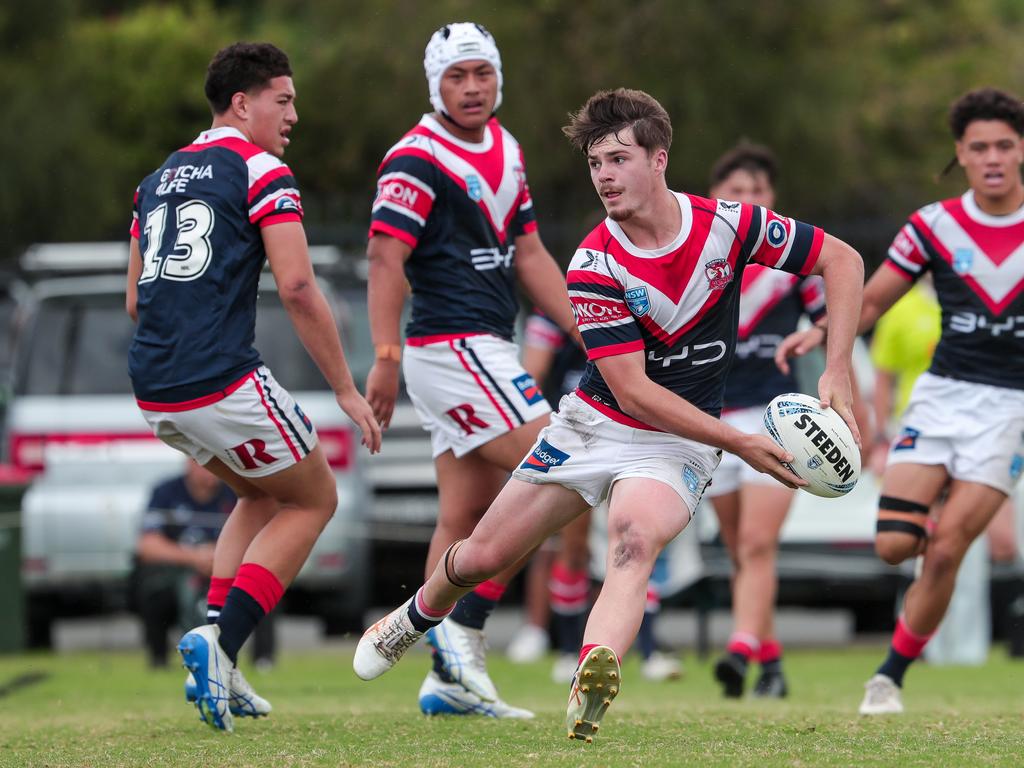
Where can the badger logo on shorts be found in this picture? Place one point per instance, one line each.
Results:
(528, 388)
(544, 457)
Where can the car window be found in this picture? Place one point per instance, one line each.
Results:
(78, 345)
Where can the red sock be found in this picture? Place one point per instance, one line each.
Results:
(490, 590)
(588, 648)
(771, 650)
(260, 584)
(906, 642)
(218, 591)
(744, 644)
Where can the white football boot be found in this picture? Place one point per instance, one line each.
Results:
(211, 670)
(243, 701)
(384, 643)
(529, 644)
(881, 697)
(594, 685)
(440, 698)
(659, 667)
(463, 652)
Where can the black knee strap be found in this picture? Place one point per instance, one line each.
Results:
(893, 504)
(449, 567)
(901, 526)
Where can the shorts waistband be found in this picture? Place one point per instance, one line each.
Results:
(198, 402)
(422, 341)
(615, 415)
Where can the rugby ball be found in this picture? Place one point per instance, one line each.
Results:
(824, 453)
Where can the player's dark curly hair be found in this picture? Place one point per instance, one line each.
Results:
(243, 67)
(745, 156)
(986, 104)
(609, 112)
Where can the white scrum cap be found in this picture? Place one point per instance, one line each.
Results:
(452, 43)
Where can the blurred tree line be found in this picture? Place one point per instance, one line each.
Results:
(851, 95)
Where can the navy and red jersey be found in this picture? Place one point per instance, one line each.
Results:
(771, 305)
(679, 304)
(459, 206)
(977, 262)
(198, 219)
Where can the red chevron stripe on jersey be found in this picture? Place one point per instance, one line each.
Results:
(760, 292)
(491, 175)
(995, 271)
(678, 304)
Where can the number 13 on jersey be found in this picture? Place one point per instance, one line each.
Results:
(190, 255)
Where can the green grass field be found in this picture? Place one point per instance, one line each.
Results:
(108, 710)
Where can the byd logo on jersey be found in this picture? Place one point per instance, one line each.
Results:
(528, 389)
(544, 457)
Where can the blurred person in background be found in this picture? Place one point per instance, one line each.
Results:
(751, 506)
(175, 560)
(453, 216)
(203, 225)
(962, 434)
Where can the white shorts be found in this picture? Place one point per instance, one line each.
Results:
(586, 451)
(254, 426)
(468, 391)
(975, 431)
(734, 472)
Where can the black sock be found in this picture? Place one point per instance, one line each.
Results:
(472, 610)
(238, 618)
(773, 667)
(741, 660)
(569, 628)
(213, 613)
(895, 666)
(421, 621)
(645, 637)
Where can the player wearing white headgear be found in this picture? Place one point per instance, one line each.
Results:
(454, 217)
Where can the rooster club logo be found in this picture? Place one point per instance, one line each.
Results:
(544, 457)
(718, 273)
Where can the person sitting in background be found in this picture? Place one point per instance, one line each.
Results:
(175, 559)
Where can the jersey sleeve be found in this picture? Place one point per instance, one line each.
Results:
(784, 243)
(812, 296)
(907, 255)
(542, 333)
(273, 192)
(134, 229)
(406, 190)
(598, 301)
(525, 220)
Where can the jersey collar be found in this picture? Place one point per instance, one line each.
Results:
(974, 211)
(436, 126)
(216, 134)
(684, 232)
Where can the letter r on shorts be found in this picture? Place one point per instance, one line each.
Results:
(252, 451)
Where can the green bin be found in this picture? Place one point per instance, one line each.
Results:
(12, 604)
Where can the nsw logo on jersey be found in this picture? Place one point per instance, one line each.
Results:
(474, 188)
(544, 457)
(718, 273)
(963, 260)
(638, 301)
(528, 389)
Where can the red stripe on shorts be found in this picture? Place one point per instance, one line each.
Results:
(270, 413)
(481, 385)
